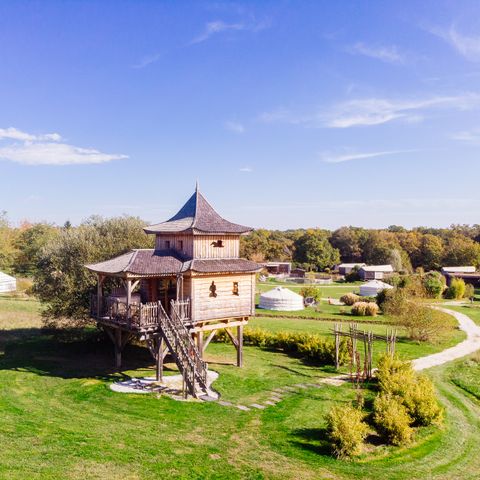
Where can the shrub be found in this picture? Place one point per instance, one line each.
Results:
(311, 292)
(353, 276)
(456, 290)
(421, 402)
(383, 297)
(394, 375)
(469, 291)
(422, 322)
(362, 309)
(346, 430)
(349, 299)
(434, 284)
(392, 419)
(310, 347)
(397, 378)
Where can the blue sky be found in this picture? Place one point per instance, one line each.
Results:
(290, 114)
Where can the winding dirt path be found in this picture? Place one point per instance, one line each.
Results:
(470, 345)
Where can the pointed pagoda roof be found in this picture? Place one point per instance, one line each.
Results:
(197, 216)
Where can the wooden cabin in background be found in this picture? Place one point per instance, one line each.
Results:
(179, 294)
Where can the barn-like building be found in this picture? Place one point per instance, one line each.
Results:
(179, 294)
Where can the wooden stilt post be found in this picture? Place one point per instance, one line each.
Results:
(240, 346)
(118, 348)
(200, 343)
(159, 365)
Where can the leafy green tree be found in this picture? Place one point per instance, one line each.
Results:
(8, 249)
(461, 250)
(349, 241)
(29, 243)
(431, 252)
(313, 249)
(62, 283)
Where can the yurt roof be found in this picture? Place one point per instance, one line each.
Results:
(6, 278)
(377, 284)
(281, 293)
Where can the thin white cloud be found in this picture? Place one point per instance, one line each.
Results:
(329, 157)
(219, 26)
(389, 54)
(466, 45)
(147, 60)
(235, 127)
(15, 134)
(48, 149)
(468, 136)
(374, 111)
(246, 169)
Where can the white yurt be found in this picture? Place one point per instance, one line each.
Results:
(7, 283)
(373, 287)
(281, 299)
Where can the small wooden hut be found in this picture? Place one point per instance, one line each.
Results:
(179, 294)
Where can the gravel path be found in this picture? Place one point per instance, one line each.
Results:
(470, 345)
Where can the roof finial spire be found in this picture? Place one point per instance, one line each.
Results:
(197, 187)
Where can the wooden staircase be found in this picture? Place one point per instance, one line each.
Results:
(183, 350)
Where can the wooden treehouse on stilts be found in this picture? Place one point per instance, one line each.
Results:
(176, 296)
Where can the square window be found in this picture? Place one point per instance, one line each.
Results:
(167, 244)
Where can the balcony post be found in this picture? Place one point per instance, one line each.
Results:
(100, 279)
(128, 284)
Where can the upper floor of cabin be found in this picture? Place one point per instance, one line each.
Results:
(197, 231)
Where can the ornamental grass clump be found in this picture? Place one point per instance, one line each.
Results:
(346, 430)
(392, 419)
(349, 299)
(365, 309)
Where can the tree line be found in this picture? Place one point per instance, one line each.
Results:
(406, 250)
(22, 247)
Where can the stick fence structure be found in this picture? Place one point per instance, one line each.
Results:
(354, 335)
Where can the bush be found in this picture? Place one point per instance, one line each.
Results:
(456, 290)
(362, 309)
(349, 299)
(469, 291)
(310, 347)
(383, 297)
(434, 284)
(421, 402)
(392, 419)
(353, 276)
(397, 378)
(346, 430)
(422, 322)
(311, 292)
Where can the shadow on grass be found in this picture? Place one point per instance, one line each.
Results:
(312, 439)
(70, 354)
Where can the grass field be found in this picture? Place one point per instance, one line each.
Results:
(59, 419)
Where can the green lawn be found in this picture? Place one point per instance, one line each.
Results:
(59, 419)
(335, 290)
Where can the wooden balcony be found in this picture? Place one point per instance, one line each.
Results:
(136, 316)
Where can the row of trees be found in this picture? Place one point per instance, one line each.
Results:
(406, 250)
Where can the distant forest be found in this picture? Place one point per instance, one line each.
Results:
(23, 247)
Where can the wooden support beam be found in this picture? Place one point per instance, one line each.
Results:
(209, 339)
(232, 337)
(216, 326)
(240, 346)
